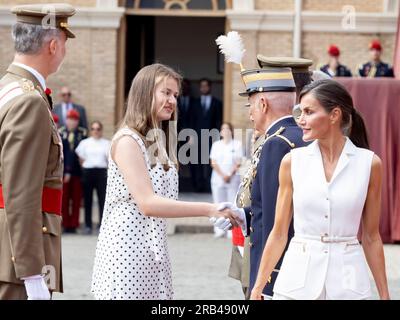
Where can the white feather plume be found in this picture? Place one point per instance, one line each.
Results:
(231, 46)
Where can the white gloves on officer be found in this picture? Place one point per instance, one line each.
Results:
(224, 223)
(221, 223)
(36, 288)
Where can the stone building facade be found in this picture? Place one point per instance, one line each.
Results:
(95, 62)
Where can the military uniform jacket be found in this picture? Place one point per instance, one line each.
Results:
(375, 71)
(341, 71)
(261, 215)
(71, 159)
(30, 162)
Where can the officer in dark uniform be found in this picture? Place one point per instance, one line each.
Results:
(265, 87)
(375, 68)
(71, 136)
(281, 136)
(301, 76)
(334, 68)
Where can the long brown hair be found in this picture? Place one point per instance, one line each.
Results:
(331, 94)
(141, 113)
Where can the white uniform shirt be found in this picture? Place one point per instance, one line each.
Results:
(226, 155)
(94, 152)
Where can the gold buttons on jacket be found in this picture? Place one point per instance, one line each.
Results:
(44, 229)
(13, 259)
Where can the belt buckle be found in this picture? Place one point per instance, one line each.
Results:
(323, 239)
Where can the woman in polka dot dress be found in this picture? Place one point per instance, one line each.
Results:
(132, 260)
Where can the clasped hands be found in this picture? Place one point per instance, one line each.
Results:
(231, 216)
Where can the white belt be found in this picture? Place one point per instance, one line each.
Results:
(326, 239)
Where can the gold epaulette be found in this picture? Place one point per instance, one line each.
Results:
(291, 144)
(278, 134)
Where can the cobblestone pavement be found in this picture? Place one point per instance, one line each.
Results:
(199, 263)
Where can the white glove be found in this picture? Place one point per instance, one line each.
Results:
(221, 223)
(36, 288)
(239, 212)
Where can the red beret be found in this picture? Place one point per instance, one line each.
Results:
(375, 44)
(55, 117)
(333, 51)
(73, 114)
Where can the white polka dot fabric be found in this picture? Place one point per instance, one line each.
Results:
(132, 260)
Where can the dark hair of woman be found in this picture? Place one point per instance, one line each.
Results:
(330, 95)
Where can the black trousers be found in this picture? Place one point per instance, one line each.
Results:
(94, 179)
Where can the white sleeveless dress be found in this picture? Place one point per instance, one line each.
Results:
(132, 260)
(324, 258)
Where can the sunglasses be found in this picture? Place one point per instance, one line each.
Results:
(66, 94)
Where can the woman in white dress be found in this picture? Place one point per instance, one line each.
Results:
(225, 155)
(132, 260)
(329, 187)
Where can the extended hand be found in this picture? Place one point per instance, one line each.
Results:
(230, 216)
(221, 223)
(239, 213)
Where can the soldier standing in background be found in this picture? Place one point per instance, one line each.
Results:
(71, 136)
(334, 68)
(375, 68)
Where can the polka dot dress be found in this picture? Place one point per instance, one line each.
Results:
(132, 260)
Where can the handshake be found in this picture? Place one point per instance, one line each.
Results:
(229, 216)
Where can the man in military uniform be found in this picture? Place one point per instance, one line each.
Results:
(72, 135)
(31, 164)
(334, 68)
(302, 77)
(271, 94)
(375, 67)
